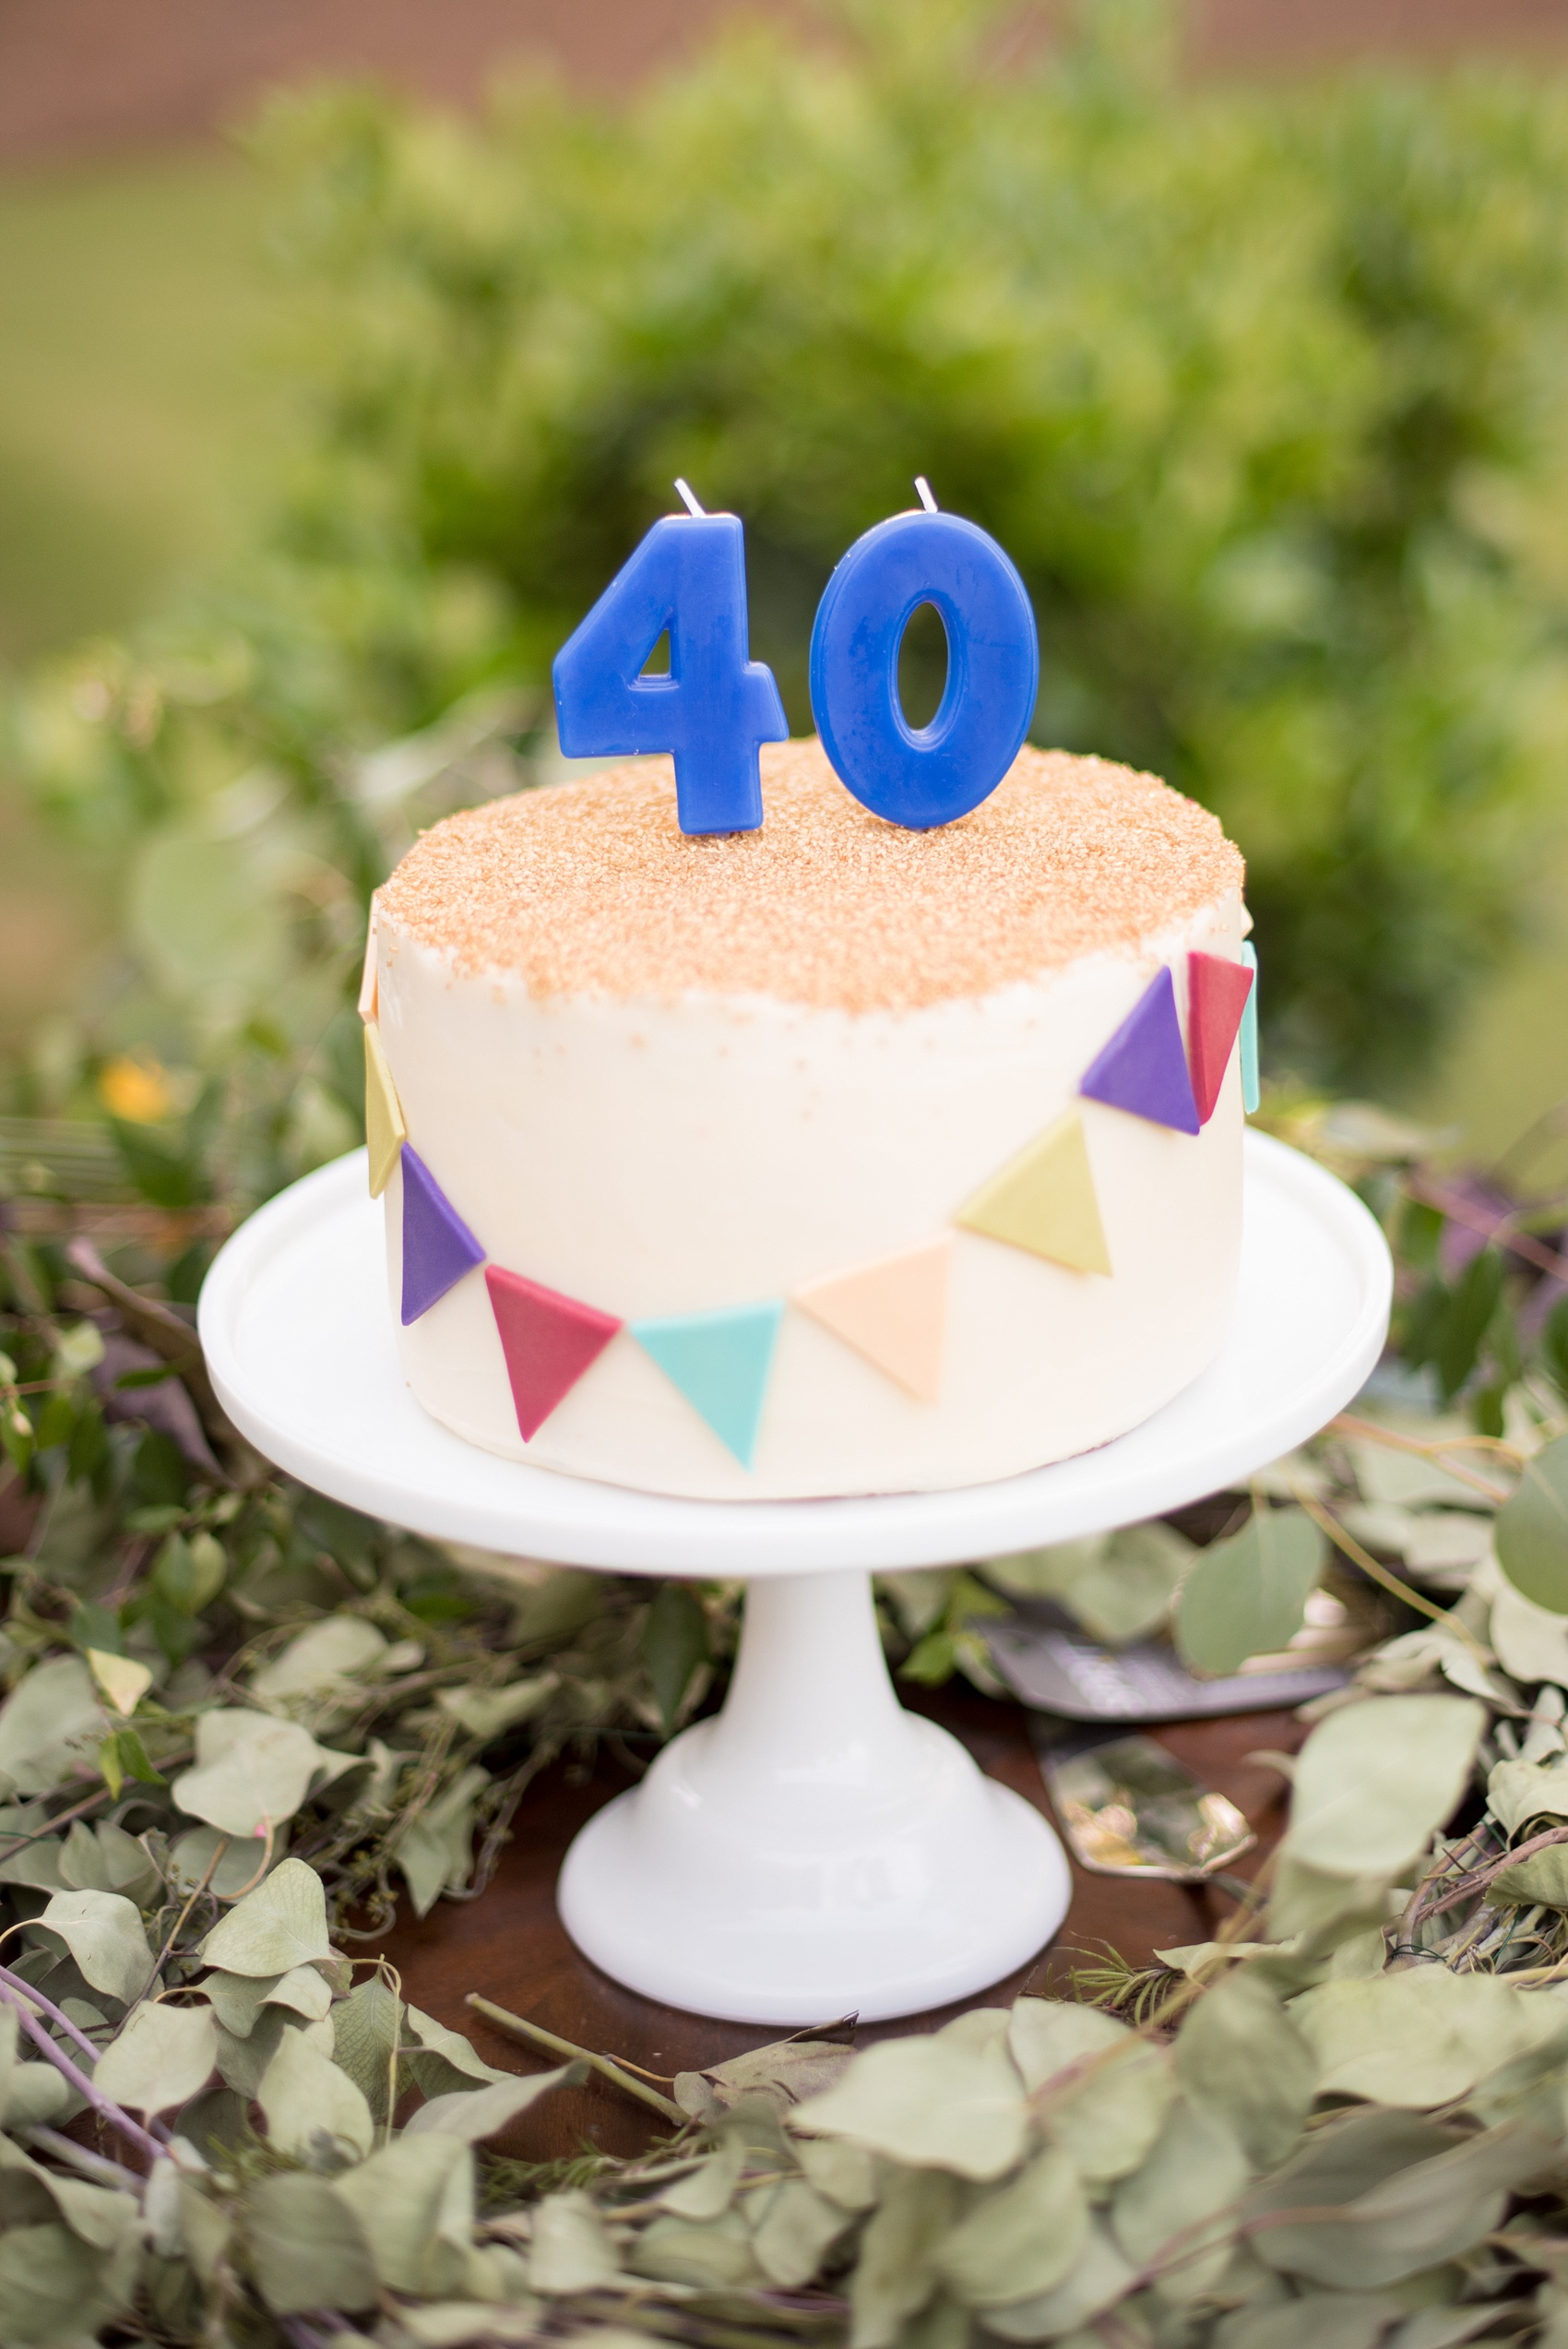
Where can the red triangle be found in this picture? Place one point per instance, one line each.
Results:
(549, 1341)
(1217, 997)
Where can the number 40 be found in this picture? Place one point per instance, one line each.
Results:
(717, 706)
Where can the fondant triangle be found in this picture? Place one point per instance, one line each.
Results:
(720, 1361)
(1217, 998)
(438, 1247)
(1252, 1091)
(894, 1311)
(1144, 1068)
(385, 1131)
(1044, 1200)
(549, 1341)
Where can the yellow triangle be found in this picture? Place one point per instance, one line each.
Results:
(894, 1311)
(1044, 1200)
(384, 1128)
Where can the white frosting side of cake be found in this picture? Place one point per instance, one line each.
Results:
(652, 1158)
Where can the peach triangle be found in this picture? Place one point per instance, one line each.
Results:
(894, 1311)
(385, 1131)
(1044, 1200)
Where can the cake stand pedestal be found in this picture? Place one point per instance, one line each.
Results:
(813, 1851)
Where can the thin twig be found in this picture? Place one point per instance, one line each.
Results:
(132, 2131)
(538, 2036)
(1390, 1581)
(161, 1960)
(1348, 1424)
(83, 2158)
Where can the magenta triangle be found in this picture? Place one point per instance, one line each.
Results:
(549, 1341)
(1144, 1068)
(438, 1247)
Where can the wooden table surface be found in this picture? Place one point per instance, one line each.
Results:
(510, 1946)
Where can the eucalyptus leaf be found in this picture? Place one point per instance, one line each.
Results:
(491, 1712)
(313, 2109)
(51, 1720)
(1126, 1590)
(792, 2229)
(307, 2249)
(1247, 1596)
(895, 2275)
(1543, 1877)
(717, 2254)
(928, 2103)
(279, 1926)
(1318, 2320)
(475, 2113)
(316, 1659)
(162, 2058)
(414, 2202)
(571, 2251)
(845, 2174)
(1419, 2038)
(674, 1645)
(1243, 2062)
(785, 2071)
(1099, 2277)
(1187, 2188)
(1376, 1779)
(253, 1772)
(1420, 2214)
(104, 1933)
(1108, 2109)
(1018, 2240)
(1519, 1791)
(1531, 1533)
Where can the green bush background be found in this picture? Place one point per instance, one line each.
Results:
(1260, 388)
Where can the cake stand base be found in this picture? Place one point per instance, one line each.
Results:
(816, 1851)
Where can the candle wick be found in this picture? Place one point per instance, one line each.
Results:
(922, 485)
(688, 499)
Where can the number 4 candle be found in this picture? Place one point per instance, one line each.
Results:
(715, 705)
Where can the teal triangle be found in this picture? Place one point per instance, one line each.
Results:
(720, 1361)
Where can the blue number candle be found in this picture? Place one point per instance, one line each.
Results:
(927, 775)
(715, 705)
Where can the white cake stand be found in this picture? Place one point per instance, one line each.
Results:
(814, 1850)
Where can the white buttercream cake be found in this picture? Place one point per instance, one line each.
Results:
(801, 1162)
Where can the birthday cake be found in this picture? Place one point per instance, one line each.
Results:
(823, 1158)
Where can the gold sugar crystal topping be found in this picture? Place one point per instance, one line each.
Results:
(591, 888)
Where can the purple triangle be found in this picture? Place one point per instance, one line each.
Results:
(438, 1247)
(1144, 1068)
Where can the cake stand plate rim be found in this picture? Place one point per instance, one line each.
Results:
(405, 1468)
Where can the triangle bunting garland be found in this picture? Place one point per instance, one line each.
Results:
(549, 1341)
(1044, 1200)
(892, 1311)
(1252, 1092)
(385, 1131)
(1217, 990)
(438, 1247)
(720, 1361)
(1144, 1068)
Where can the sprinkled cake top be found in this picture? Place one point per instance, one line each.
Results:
(591, 888)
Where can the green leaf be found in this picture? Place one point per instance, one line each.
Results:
(189, 1571)
(1247, 1596)
(313, 2111)
(50, 2287)
(367, 2028)
(1241, 2061)
(252, 1771)
(1375, 1780)
(51, 1720)
(414, 2201)
(1107, 2115)
(1543, 1876)
(932, 2103)
(1127, 1589)
(105, 1936)
(1020, 2239)
(793, 2228)
(435, 1850)
(279, 1926)
(1419, 2038)
(1532, 1528)
(895, 2273)
(1421, 2211)
(571, 2252)
(163, 2056)
(675, 1644)
(1099, 2279)
(475, 2113)
(317, 1659)
(1193, 2176)
(307, 2249)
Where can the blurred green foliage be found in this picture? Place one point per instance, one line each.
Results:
(1258, 388)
